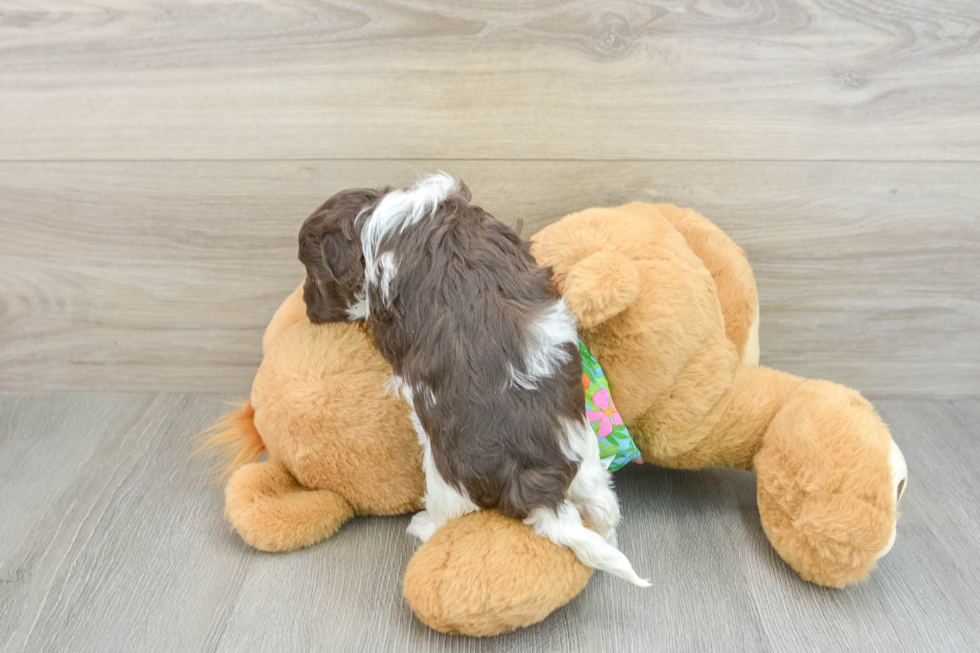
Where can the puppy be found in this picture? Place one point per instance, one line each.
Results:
(482, 348)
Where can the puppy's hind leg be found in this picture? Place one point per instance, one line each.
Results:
(421, 526)
(442, 501)
(591, 489)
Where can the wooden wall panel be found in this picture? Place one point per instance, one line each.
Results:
(670, 79)
(162, 275)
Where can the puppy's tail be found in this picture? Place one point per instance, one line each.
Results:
(565, 528)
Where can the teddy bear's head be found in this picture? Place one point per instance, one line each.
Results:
(645, 304)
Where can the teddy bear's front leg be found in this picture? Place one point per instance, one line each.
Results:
(273, 512)
(829, 481)
(484, 574)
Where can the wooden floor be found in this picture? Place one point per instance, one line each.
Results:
(112, 542)
(158, 156)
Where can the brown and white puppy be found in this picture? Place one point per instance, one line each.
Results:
(483, 349)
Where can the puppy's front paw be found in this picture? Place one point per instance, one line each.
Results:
(422, 526)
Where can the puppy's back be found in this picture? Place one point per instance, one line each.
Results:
(479, 332)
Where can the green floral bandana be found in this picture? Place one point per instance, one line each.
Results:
(616, 447)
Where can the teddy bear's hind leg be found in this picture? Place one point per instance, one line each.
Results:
(484, 574)
(273, 512)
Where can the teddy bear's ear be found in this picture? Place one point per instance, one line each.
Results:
(599, 287)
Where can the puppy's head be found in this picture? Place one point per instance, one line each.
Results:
(330, 248)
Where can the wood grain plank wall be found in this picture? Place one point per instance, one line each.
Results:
(156, 160)
(162, 275)
(668, 79)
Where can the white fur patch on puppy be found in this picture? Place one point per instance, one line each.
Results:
(428, 396)
(591, 489)
(387, 270)
(421, 526)
(359, 310)
(400, 209)
(442, 501)
(547, 336)
(396, 387)
(565, 528)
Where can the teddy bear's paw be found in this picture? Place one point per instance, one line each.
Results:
(421, 526)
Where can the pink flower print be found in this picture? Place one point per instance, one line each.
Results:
(607, 416)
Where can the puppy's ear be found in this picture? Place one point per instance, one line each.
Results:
(464, 190)
(334, 272)
(341, 258)
(330, 248)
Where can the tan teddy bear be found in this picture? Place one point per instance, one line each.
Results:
(667, 304)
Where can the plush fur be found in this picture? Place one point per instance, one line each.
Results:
(234, 440)
(484, 587)
(483, 350)
(827, 496)
(675, 355)
(729, 268)
(337, 444)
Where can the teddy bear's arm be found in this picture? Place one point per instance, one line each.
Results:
(600, 287)
(828, 474)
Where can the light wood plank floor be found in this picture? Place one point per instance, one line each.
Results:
(111, 541)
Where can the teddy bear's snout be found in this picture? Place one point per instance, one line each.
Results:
(900, 474)
(900, 471)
